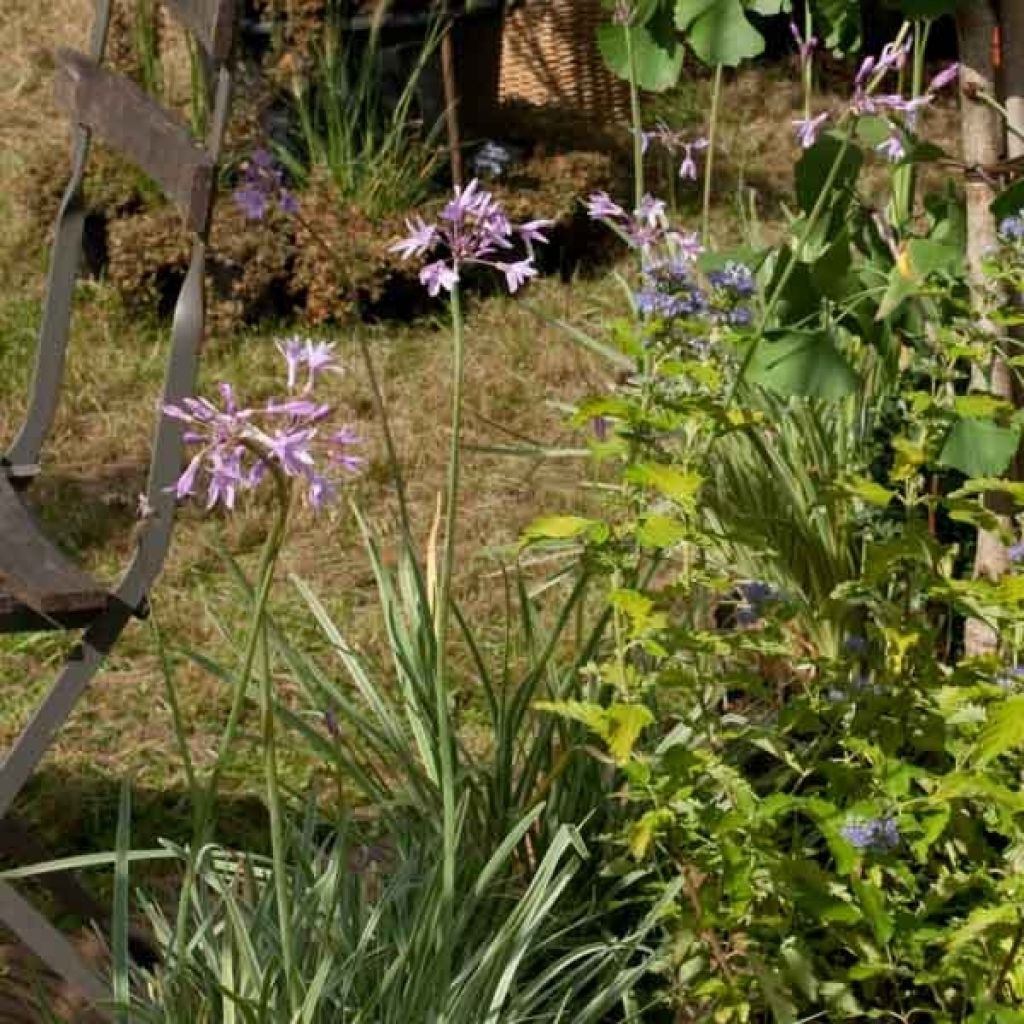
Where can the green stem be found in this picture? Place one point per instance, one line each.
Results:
(203, 813)
(709, 164)
(276, 808)
(904, 178)
(442, 610)
(637, 119)
(822, 201)
(808, 64)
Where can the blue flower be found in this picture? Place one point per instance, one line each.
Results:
(1012, 228)
(734, 278)
(855, 644)
(878, 834)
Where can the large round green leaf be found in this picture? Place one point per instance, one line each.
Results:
(656, 49)
(719, 31)
(980, 447)
(806, 363)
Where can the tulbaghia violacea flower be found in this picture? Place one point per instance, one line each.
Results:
(238, 447)
(806, 46)
(808, 128)
(892, 148)
(647, 229)
(263, 188)
(471, 229)
(688, 167)
(677, 144)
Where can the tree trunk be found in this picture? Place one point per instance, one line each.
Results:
(983, 141)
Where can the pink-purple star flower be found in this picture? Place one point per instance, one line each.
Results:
(239, 447)
(471, 229)
(806, 46)
(263, 187)
(808, 129)
(892, 148)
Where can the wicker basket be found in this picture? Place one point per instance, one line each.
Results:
(550, 59)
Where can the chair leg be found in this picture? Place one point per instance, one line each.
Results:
(20, 916)
(37, 736)
(50, 945)
(18, 843)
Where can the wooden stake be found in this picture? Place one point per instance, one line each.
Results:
(451, 100)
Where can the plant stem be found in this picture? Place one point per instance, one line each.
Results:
(442, 612)
(709, 164)
(276, 808)
(1004, 968)
(809, 225)
(637, 119)
(808, 63)
(204, 806)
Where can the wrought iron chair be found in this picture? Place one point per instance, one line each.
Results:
(40, 589)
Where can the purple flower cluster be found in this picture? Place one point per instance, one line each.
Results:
(471, 229)
(1011, 229)
(755, 597)
(646, 229)
(676, 144)
(865, 101)
(669, 292)
(239, 447)
(878, 834)
(263, 188)
(805, 46)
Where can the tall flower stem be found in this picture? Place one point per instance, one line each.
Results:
(203, 809)
(904, 178)
(709, 164)
(810, 224)
(637, 119)
(275, 807)
(442, 609)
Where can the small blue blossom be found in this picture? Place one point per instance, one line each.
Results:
(755, 594)
(1012, 679)
(878, 834)
(855, 644)
(735, 278)
(1012, 228)
(1016, 551)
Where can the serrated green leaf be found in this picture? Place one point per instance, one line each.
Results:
(656, 532)
(869, 491)
(1004, 732)
(565, 528)
(679, 485)
(979, 922)
(625, 723)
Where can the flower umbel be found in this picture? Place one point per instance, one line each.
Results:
(471, 229)
(878, 834)
(238, 448)
(263, 188)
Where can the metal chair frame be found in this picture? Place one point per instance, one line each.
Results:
(109, 107)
